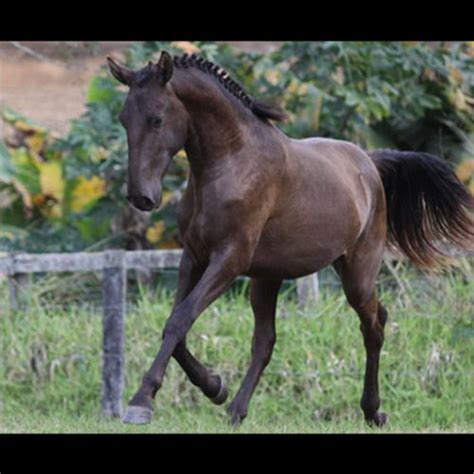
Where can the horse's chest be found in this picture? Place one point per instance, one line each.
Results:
(203, 232)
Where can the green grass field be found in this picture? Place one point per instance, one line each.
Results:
(50, 373)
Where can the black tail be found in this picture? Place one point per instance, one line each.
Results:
(427, 206)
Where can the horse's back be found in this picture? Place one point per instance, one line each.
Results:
(346, 158)
(337, 172)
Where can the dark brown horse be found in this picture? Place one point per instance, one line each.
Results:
(261, 204)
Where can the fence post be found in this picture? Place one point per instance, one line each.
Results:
(307, 289)
(17, 284)
(114, 287)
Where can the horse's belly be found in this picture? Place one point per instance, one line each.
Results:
(278, 266)
(295, 257)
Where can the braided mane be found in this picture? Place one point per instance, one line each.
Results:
(260, 109)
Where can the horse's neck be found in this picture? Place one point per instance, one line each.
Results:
(218, 125)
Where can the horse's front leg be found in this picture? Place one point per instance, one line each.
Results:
(224, 266)
(211, 385)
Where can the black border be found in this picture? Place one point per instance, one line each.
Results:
(324, 453)
(232, 21)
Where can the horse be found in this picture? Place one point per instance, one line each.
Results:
(261, 204)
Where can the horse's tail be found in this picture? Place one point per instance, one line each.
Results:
(427, 206)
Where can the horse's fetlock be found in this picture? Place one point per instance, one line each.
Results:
(151, 383)
(370, 404)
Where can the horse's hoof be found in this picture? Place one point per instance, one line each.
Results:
(222, 395)
(237, 416)
(379, 419)
(236, 420)
(136, 415)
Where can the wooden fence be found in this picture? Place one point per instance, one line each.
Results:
(114, 265)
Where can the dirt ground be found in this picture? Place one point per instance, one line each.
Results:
(48, 81)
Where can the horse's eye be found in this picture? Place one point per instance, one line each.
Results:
(155, 121)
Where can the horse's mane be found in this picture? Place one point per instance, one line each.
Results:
(260, 109)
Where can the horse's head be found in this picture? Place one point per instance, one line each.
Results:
(156, 124)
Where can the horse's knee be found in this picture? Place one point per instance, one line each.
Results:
(178, 324)
(174, 329)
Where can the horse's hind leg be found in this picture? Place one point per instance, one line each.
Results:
(263, 297)
(358, 270)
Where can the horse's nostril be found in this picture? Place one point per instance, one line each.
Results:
(142, 203)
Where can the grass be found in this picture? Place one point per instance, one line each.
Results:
(50, 378)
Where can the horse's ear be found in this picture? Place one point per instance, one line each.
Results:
(165, 67)
(122, 73)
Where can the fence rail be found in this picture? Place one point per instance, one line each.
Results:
(87, 261)
(114, 265)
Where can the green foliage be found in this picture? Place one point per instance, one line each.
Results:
(405, 95)
(377, 94)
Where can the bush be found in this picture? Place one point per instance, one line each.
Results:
(65, 194)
